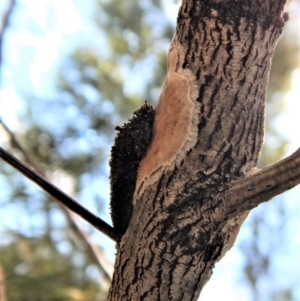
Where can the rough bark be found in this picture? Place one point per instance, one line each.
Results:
(251, 191)
(207, 134)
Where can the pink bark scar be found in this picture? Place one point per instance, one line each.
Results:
(172, 124)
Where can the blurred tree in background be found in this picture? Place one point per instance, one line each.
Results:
(69, 134)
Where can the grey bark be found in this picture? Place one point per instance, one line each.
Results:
(251, 191)
(190, 209)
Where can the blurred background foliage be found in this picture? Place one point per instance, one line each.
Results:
(69, 135)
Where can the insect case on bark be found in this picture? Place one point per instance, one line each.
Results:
(130, 147)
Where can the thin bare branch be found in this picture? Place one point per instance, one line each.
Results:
(15, 143)
(5, 23)
(263, 185)
(94, 253)
(55, 192)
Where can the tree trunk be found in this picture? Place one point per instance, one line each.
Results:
(208, 133)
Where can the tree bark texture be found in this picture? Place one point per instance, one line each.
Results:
(208, 133)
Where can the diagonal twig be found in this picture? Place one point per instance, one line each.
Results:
(55, 192)
(95, 254)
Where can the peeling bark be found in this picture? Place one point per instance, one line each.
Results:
(207, 135)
